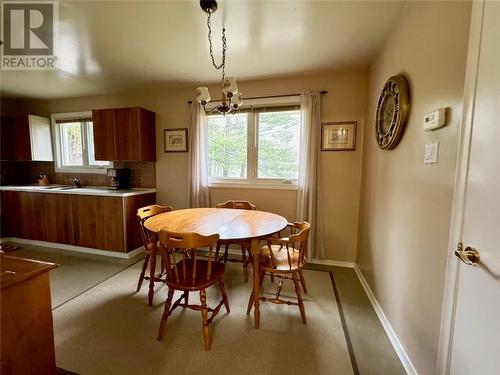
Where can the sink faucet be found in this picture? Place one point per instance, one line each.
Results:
(76, 183)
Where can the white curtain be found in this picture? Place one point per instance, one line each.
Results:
(308, 207)
(198, 171)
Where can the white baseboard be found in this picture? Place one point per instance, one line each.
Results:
(398, 347)
(80, 249)
(337, 263)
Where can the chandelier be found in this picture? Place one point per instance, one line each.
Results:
(231, 98)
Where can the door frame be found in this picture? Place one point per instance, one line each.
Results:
(459, 194)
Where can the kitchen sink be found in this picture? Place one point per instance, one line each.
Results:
(92, 190)
(81, 189)
(64, 188)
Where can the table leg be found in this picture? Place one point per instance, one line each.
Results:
(256, 280)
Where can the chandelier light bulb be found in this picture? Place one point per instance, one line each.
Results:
(202, 95)
(237, 100)
(229, 86)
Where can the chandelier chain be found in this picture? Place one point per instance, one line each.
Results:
(222, 65)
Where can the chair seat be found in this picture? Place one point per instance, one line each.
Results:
(201, 281)
(280, 255)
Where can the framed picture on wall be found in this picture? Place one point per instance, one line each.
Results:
(338, 136)
(175, 140)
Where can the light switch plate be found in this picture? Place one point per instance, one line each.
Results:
(431, 153)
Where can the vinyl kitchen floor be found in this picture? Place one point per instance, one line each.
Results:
(77, 272)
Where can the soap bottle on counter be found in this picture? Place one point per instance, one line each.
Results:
(43, 179)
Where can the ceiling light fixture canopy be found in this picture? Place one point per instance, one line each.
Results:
(231, 98)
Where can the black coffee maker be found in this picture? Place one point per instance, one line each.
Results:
(120, 178)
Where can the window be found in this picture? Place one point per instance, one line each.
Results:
(74, 141)
(227, 146)
(260, 146)
(278, 145)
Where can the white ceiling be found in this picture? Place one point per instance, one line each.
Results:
(109, 46)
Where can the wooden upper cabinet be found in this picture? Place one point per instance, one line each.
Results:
(104, 134)
(147, 134)
(20, 148)
(127, 134)
(26, 137)
(6, 137)
(124, 134)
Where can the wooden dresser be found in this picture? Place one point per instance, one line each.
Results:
(27, 337)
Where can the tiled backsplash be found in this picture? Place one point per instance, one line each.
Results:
(142, 174)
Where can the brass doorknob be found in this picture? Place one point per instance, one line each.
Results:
(469, 256)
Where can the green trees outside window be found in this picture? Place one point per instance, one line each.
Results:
(254, 146)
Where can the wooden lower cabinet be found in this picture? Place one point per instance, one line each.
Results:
(58, 219)
(32, 216)
(131, 206)
(85, 226)
(10, 214)
(100, 222)
(111, 220)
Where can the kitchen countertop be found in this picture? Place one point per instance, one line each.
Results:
(86, 190)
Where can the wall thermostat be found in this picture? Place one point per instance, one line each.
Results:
(435, 120)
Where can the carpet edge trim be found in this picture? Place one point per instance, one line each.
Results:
(350, 348)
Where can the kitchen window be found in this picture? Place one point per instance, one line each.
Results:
(74, 140)
(254, 147)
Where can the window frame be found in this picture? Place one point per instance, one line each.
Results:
(56, 138)
(253, 108)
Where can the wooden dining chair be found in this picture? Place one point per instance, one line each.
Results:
(285, 258)
(150, 243)
(245, 245)
(188, 273)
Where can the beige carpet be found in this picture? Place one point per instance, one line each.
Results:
(110, 330)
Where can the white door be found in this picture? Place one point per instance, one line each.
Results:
(475, 337)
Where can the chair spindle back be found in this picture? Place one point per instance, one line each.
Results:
(296, 241)
(185, 245)
(145, 213)
(241, 205)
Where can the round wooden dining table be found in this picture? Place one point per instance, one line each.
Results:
(230, 224)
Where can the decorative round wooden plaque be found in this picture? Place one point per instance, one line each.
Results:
(393, 107)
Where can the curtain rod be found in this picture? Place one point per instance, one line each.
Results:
(273, 96)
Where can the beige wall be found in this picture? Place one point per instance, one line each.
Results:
(341, 171)
(406, 205)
